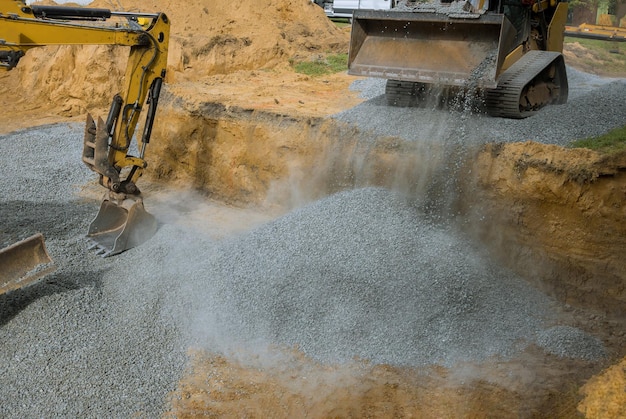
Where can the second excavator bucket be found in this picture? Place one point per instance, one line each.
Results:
(121, 224)
(430, 47)
(24, 263)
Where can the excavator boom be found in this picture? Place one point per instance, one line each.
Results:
(122, 222)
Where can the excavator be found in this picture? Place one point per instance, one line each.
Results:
(122, 221)
(507, 52)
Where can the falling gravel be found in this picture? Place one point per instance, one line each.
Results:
(362, 273)
(595, 106)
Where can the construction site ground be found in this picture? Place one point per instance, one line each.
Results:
(552, 214)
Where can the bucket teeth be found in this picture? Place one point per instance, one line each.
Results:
(121, 224)
(98, 248)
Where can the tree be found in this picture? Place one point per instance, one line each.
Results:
(611, 5)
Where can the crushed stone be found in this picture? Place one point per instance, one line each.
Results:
(571, 342)
(359, 274)
(362, 274)
(595, 106)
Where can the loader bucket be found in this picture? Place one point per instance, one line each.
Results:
(430, 47)
(120, 225)
(24, 263)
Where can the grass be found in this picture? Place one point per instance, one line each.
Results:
(322, 65)
(605, 46)
(611, 142)
(601, 55)
(611, 55)
(341, 22)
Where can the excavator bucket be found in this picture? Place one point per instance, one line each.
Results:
(427, 47)
(24, 263)
(120, 225)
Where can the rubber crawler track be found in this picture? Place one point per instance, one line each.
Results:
(504, 100)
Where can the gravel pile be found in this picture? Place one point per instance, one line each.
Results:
(92, 339)
(570, 342)
(595, 106)
(360, 273)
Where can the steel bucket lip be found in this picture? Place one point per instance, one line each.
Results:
(486, 18)
(24, 263)
(413, 46)
(121, 224)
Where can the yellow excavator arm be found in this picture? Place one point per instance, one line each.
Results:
(122, 222)
(24, 27)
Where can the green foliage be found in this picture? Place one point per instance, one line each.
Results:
(611, 142)
(592, 4)
(341, 22)
(322, 64)
(589, 4)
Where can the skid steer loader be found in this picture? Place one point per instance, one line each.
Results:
(507, 51)
(122, 221)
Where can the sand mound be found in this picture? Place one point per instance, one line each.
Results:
(208, 38)
(220, 36)
(604, 395)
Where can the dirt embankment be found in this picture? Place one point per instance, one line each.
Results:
(564, 207)
(604, 394)
(255, 157)
(217, 46)
(216, 386)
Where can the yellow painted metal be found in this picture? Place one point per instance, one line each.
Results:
(19, 29)
(556, 28)
(147, 35)
(608, 33)
(540, 6)
(513, 57)
(145, 64)
(28, 33)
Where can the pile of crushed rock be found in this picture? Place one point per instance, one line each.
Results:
(363, 273)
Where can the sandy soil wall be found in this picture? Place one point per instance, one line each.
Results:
(255, 157)
(563, 207)
(207, 38)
